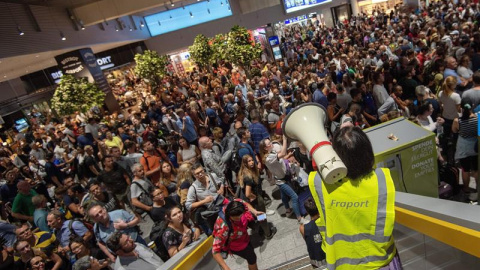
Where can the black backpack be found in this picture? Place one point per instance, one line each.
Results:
(235, 160)
(156, 236)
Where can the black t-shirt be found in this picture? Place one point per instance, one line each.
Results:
(87, 162)
(256, 188)
(52, 170)
(158, 213)
(114, 180)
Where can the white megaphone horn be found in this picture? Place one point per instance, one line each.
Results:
(306, 123)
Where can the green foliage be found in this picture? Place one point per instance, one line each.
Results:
(219, 47)
(150, 66)
(240, 49)
(73, 94)
(256, 72)
(200, 51)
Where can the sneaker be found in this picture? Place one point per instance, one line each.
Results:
(270, 212)
(273, 231)
(302, 221)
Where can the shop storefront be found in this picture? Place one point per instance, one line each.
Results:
(370, 6)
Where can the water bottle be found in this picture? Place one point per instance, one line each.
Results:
(439, 130)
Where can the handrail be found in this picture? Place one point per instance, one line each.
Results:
(453, 223)
(454, 235)
(195, 255)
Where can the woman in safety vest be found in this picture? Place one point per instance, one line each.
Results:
(356, 213)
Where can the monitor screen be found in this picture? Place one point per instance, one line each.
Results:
(21, 124)
(296, 5)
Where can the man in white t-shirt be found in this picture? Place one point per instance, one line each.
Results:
(380, 94)
(92, 127)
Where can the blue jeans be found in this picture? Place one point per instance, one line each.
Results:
(288, 194)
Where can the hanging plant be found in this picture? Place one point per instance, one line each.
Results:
(76, 94)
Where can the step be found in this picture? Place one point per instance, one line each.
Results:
(302, 263)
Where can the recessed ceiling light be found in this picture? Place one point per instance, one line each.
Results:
(20, 32)
(171, 2)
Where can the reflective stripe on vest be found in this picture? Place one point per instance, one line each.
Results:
(313, 187)
(364, 260)
(316, 188)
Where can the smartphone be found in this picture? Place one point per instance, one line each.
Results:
(262, 217)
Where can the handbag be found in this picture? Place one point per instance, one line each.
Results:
(143, 198)
(213, 208)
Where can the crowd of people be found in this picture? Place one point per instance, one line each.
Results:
(192, 157)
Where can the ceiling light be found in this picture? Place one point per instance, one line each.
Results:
(116, 28)
(171, 2)
(20, 32)
(131, 29)
(62, 36)
(191, 14)
(141, 24)
(82, 27)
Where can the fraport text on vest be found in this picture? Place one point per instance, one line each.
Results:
(347, 205)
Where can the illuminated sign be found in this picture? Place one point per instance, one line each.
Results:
(296, 19)
(296, 5)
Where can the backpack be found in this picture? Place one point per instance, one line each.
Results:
(235, 161)
(144, 198)
(87, 225)
(156, 236)
(226, 249)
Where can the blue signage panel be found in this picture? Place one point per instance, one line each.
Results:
(296, 5)
(296, 19)
(273, 40)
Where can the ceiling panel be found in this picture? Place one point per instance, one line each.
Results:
(52, 3)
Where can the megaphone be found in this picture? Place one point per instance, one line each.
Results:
(306, 123)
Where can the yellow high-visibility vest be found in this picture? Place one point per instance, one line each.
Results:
(356, 220)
